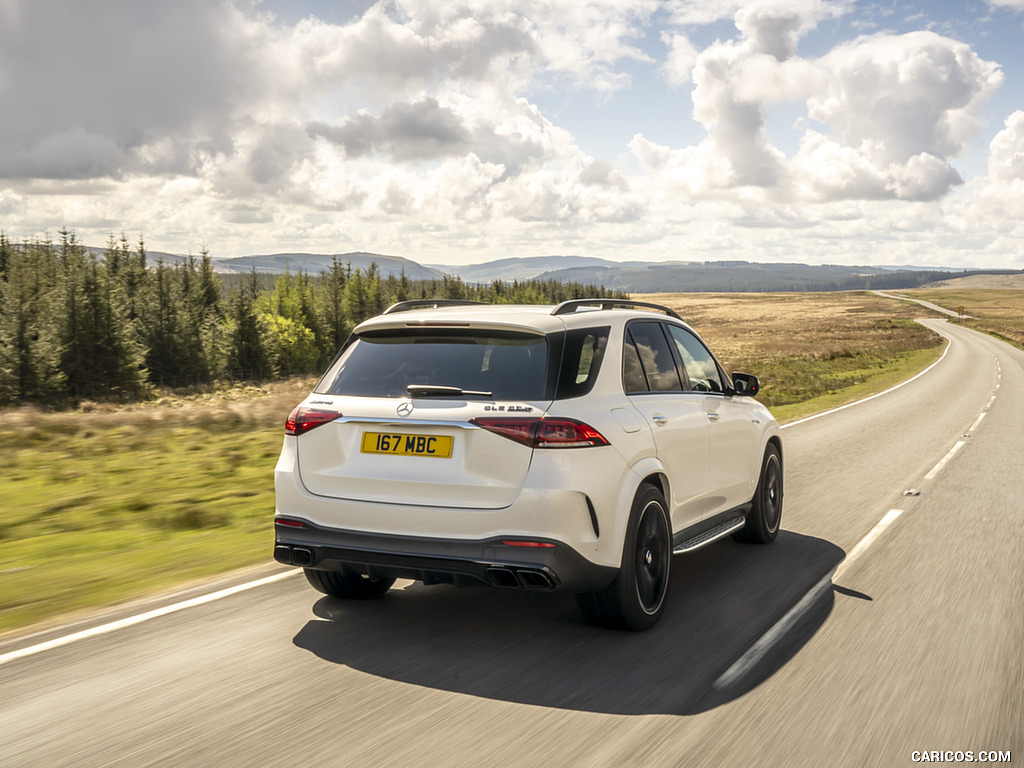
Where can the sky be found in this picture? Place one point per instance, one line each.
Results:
(457, 132)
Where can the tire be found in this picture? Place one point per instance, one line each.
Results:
(353, 586)
(765, 514)
(636, 599)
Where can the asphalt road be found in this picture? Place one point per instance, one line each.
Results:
(768, 656)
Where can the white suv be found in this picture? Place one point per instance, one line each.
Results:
(575, 447)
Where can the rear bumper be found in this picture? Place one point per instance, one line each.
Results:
(438, 560)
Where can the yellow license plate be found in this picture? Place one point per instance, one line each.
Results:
(437, 446)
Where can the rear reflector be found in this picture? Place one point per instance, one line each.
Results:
(289, 523)
(303, 419)
(544, 432)
(523, 543)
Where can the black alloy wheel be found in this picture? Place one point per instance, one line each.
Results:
(636, 599)
(652, 557)
(765, 514)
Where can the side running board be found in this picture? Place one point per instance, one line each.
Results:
(714, 534)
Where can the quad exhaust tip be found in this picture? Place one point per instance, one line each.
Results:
(520, 578)
(293, 555)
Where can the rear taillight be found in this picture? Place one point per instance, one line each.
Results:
(544, 432)
(303, 419)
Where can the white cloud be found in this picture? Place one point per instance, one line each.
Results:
(407, 131)
(912, 93)
(736, 80)
(681, 59)
(701, 12)
(826, 170)
(774, 26)
(1006, 152)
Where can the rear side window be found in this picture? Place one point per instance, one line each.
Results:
(650, 349)
(582, 354)
(511, 366)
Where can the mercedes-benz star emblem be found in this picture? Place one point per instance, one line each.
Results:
(404, 409)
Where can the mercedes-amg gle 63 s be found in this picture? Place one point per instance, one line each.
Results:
(576, 447)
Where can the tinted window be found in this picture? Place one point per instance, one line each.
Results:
(697, 360)
(581, 361)
(633, 379)
(510, 366)
(659, 367)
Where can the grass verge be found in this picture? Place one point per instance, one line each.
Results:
(106, 505)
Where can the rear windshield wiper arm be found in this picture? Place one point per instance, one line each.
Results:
(437, 390)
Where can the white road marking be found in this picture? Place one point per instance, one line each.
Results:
(945, 460)
(872, 397)
(131, 621)
(758, 650)
(974, 426)
(867, 541)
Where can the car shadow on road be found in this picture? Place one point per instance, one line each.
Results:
(534, 648)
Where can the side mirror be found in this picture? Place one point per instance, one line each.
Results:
(745, 384)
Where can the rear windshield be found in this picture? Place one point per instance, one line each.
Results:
(510, 366)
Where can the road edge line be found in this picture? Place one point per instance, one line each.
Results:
(130, 621)
(764, 644)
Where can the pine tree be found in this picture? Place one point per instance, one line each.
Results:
(74, 333)
(101, 356)
(356, 302)
(5, 255)
(160, 302)
(209, 287)
(133, 275)
(374, 291)
(247, 356)
(330, 306)
(29, 334)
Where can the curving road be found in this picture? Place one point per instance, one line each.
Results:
(783, 655)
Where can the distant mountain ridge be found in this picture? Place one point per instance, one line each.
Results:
(314, 263)
(627, 276)
(524, 268)
(310, 263)
(745, 277)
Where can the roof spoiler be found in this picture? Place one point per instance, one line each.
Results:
(405, 306)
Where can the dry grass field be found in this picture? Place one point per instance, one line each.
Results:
(971, 282)
(811, 351)
(998, 311)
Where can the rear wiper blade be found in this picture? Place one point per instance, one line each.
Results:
(438, 390)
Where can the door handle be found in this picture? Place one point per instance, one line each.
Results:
(712, 417)
(660, 420)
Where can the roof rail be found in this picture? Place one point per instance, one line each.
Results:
(405, 306)
(567, 307)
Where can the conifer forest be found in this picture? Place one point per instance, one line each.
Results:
(77, 324)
